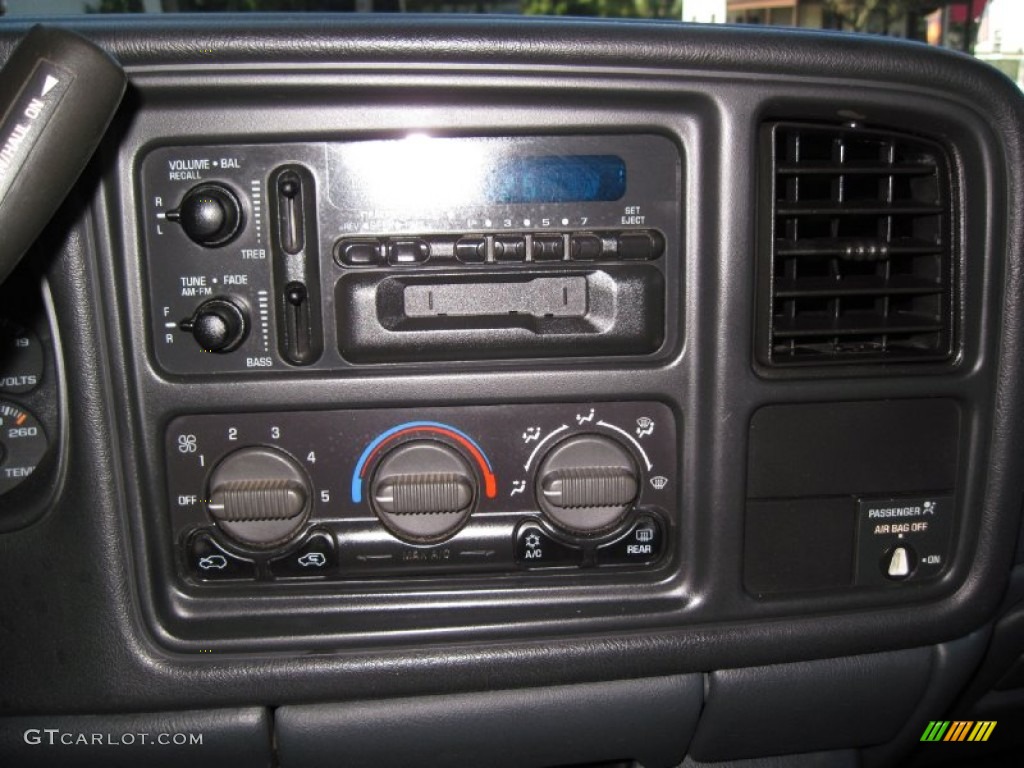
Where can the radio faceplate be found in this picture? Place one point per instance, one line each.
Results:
(335, 255)
(350, 495)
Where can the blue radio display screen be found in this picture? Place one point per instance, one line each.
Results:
(558, 179)
(423, 181)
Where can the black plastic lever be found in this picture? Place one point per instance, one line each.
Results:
(296, 256)
(58, 94)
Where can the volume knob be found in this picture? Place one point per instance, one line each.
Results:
(210, 214)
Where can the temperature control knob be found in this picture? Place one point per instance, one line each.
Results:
(587, 484)
(423, 491)
(210, 214)
(218, 325)
(259, 496)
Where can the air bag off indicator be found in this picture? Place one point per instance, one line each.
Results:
(903, 539)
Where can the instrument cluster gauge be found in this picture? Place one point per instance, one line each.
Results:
(21, 358)
(22, 445)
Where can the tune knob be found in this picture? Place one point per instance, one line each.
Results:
(210, 214)
(218, 325)
(587, 484)
(423, 491)
(259, 496)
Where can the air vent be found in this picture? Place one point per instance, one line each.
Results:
(861, 248)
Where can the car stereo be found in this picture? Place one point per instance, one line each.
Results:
(418, 249)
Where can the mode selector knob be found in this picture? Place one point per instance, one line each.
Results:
(218, 325)
(423, 491)
(587, 484)
(210, 214)
(259, 496)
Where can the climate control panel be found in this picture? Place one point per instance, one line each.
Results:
(359, 494)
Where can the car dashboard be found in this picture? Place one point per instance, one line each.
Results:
(519, 392)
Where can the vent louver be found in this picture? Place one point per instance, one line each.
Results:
(861, 250)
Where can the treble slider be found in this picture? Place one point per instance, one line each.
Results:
(296, 259)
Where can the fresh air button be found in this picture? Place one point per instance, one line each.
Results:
(585, 247)
(361, 252)
(471, 250)
(316, 557)
(641, 246)
(402, 253)
(534, 548)
(209, 562)
(643, 543)
(548, 248)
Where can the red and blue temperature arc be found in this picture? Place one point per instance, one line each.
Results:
(433, 427)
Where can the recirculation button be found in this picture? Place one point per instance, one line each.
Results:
(316, 557)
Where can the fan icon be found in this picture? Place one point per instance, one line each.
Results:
(533, 541)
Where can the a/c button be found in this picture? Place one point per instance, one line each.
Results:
(534, 548)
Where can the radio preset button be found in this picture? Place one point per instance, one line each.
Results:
(358, 252)
(548, 248)
(510, 248)
(643, 245)
(402, 253)
(585, 247)
(471, 250)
